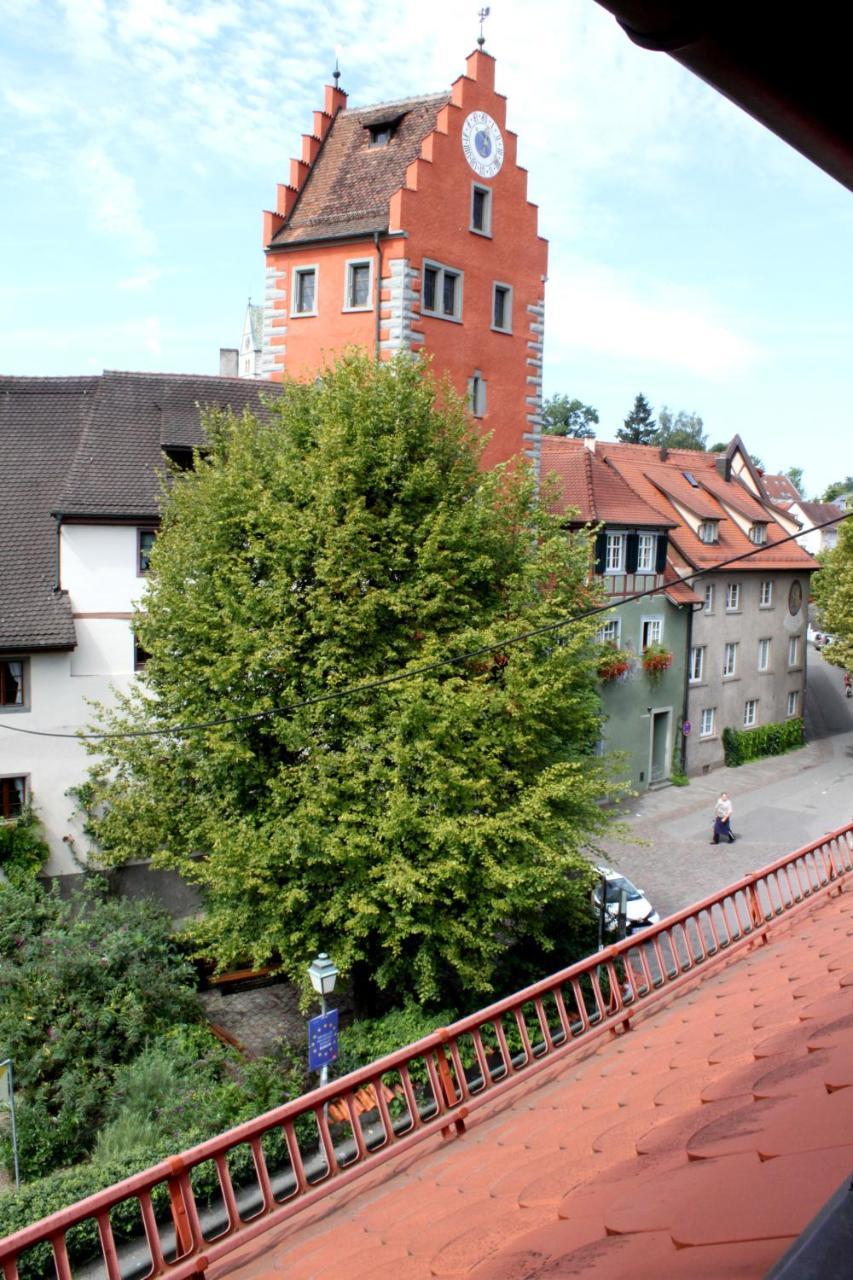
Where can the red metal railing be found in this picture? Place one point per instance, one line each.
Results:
(191, 1210)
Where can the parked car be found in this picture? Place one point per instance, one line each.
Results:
(820, 639)
(640, 912)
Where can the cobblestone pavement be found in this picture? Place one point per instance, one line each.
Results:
(259, 1019)
(779, 804)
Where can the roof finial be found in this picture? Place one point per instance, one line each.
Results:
(482, 15)
(336, 74)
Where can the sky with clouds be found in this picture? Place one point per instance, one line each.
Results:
(693, 256)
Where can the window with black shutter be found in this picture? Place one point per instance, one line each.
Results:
(600, 552)
(660, 557)
(632, 545)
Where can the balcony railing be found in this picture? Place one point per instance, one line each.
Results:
(187, 1212)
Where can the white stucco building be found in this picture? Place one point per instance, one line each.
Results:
(83, 460)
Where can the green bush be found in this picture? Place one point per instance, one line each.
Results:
(23, 848)
(84, 984)
(742, 745)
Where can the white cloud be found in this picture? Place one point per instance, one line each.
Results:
(112, 198)
(143, 280)
(595, 309)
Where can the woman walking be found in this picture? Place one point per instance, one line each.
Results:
(722, 819)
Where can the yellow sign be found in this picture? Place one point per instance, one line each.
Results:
(5, 1085)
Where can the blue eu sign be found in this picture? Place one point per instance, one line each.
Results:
(322, 1040)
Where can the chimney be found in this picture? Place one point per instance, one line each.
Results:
(229, 362)
(589, 441)
(664, 453)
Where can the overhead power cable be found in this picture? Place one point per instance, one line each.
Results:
(411, 673)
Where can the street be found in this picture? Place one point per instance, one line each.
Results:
(780, 803)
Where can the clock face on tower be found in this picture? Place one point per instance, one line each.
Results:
(482, 144)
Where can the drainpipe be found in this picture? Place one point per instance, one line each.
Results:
(377, 291)
(685, 709)
(57, 577)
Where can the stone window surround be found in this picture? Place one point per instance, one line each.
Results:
(506, 327)
(296, 288)
(710, 731)
(486, 228)
(442, 269)
(348, 279)
(765, 652)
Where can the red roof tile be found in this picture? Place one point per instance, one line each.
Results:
(599, 493)
(698, 1144)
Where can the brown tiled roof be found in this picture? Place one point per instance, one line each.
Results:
(350, 183)
(779, 489)
(699, 1144)
(598, 492)
(86, 446)
(41, 421)
(656, 480)
(819, 512)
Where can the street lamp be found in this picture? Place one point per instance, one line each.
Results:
(323, 975)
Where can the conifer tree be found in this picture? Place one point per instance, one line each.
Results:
(417, 831)
(639, 426)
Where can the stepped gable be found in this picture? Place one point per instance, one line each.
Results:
(699, 1144)
(661, 481)
(345, 191)
(41, 422)
(118, 466)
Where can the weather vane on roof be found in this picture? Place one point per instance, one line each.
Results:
(482, 15)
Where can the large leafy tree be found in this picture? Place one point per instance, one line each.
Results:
(832, 589)
(680, 430)
(838, 489)
(415, 831)
(564, 417)
(639, 426)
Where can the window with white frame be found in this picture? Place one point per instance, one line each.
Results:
(709, 598)
(732, 597)
(730, 659)
(706, 723)
(610, 632)
(304, 291)
(646, 553)
(765, 594)
(764, 655)
(13, 797)
(794, 651)
(358, 281)
(794, 702)
(481, 210)
(758, 533)
(502, 308)
(709, 531)
(614, 560)
(442, 291)
(14, 684)
(652, 632)
(750, 712)
(697, 663)
(477, 395)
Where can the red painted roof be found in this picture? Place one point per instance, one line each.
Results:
(779, 489)
(700, 1143)
(661, 481)
(586, 482)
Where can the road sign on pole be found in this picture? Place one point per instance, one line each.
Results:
(322, 1040)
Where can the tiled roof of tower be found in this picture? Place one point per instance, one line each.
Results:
(41, 421)
(86, 446)
(597, 491)
(351, 182)
(699, 1144)
(663, 481)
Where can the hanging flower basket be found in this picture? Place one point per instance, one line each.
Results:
(614, 664)
(656, 659)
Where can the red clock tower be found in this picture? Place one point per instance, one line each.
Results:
(405, 227)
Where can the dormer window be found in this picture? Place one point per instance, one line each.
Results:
(758, 534)
(709, 531)
(380, 135)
